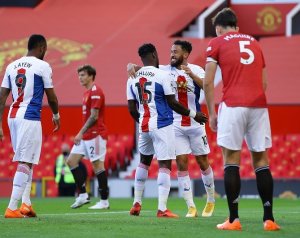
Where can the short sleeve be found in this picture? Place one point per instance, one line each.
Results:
(212, 51)
(6, 80)
(199, 71)
(167, 83)
(97, 98)
(129, 90)
(47, 76)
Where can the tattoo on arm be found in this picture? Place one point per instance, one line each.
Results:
(90, 121)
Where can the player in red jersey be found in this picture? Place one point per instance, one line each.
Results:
(242, 113)
(90, 142)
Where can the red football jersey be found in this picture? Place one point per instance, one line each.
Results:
(241, 61)
(94, 98)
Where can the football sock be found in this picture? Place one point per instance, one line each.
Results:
(209, 185)
(264, 183)
(19, 183)
(26, 193)
(141, 175)
(79, 178)
(184, 183)
(232, 182)
(102, 182)
(164, 184)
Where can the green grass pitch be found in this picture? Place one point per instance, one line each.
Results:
(57, 219)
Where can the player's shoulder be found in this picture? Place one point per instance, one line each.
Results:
(38, 63)
(194, 67)
(96, 89)
(166, 67)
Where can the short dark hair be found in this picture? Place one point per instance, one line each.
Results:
(35, 40)
(87, 68)
(146, 49)
(225, 17)
(185, 45)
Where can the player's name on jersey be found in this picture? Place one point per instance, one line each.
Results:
(22, 65)
(145, 73)
(233, 36)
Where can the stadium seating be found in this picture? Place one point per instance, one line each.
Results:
(284, 158)
(119, 149)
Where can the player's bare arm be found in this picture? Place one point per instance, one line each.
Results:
(133, 110)
(88, 124)
(4, 92)
(208, 87)
(53, 103)
(180, 109)
(193, 76)
(131, 69)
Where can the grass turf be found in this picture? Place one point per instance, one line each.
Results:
(56, 219)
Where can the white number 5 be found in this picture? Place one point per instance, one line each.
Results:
(243, 49)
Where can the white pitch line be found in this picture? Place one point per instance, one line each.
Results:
(91, 213)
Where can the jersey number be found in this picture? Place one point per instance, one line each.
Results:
(244, 49)
(145, 95)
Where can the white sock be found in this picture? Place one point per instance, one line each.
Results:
(83, 195)
(164, 184)
(184, 183)
(27, 191)
(209, 185)
(141, 175)
(19, 183)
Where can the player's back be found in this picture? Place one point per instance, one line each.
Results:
(149, 88)
(27, 77)
(241, 61)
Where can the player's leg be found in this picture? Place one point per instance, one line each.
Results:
(96, 151)
(26, 139)
(99, 170)
(184, 182)
(231, 130)
(209, 184)
(26, 207)
(19, 183)
(75, 156)
(264, 181)
(164, 146)
(200, 148)
(141, 174)
(258, 138)
(185, 186)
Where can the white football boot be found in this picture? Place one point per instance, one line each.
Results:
(103, 204)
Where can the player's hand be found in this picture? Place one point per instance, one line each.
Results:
(1, 134)
(200, 117)
(187, 70)
(78, 138)
(56, 123)
(131, 70)
(213, 122)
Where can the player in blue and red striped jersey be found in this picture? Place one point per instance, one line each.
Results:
(151, 97)
(27, 78)
(190, 136)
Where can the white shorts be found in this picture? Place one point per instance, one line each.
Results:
(191, 139)
(237, 123)
(94, 149)
(26, 139)
(160, 142)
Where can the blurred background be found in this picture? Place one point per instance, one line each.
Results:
(107, 34)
